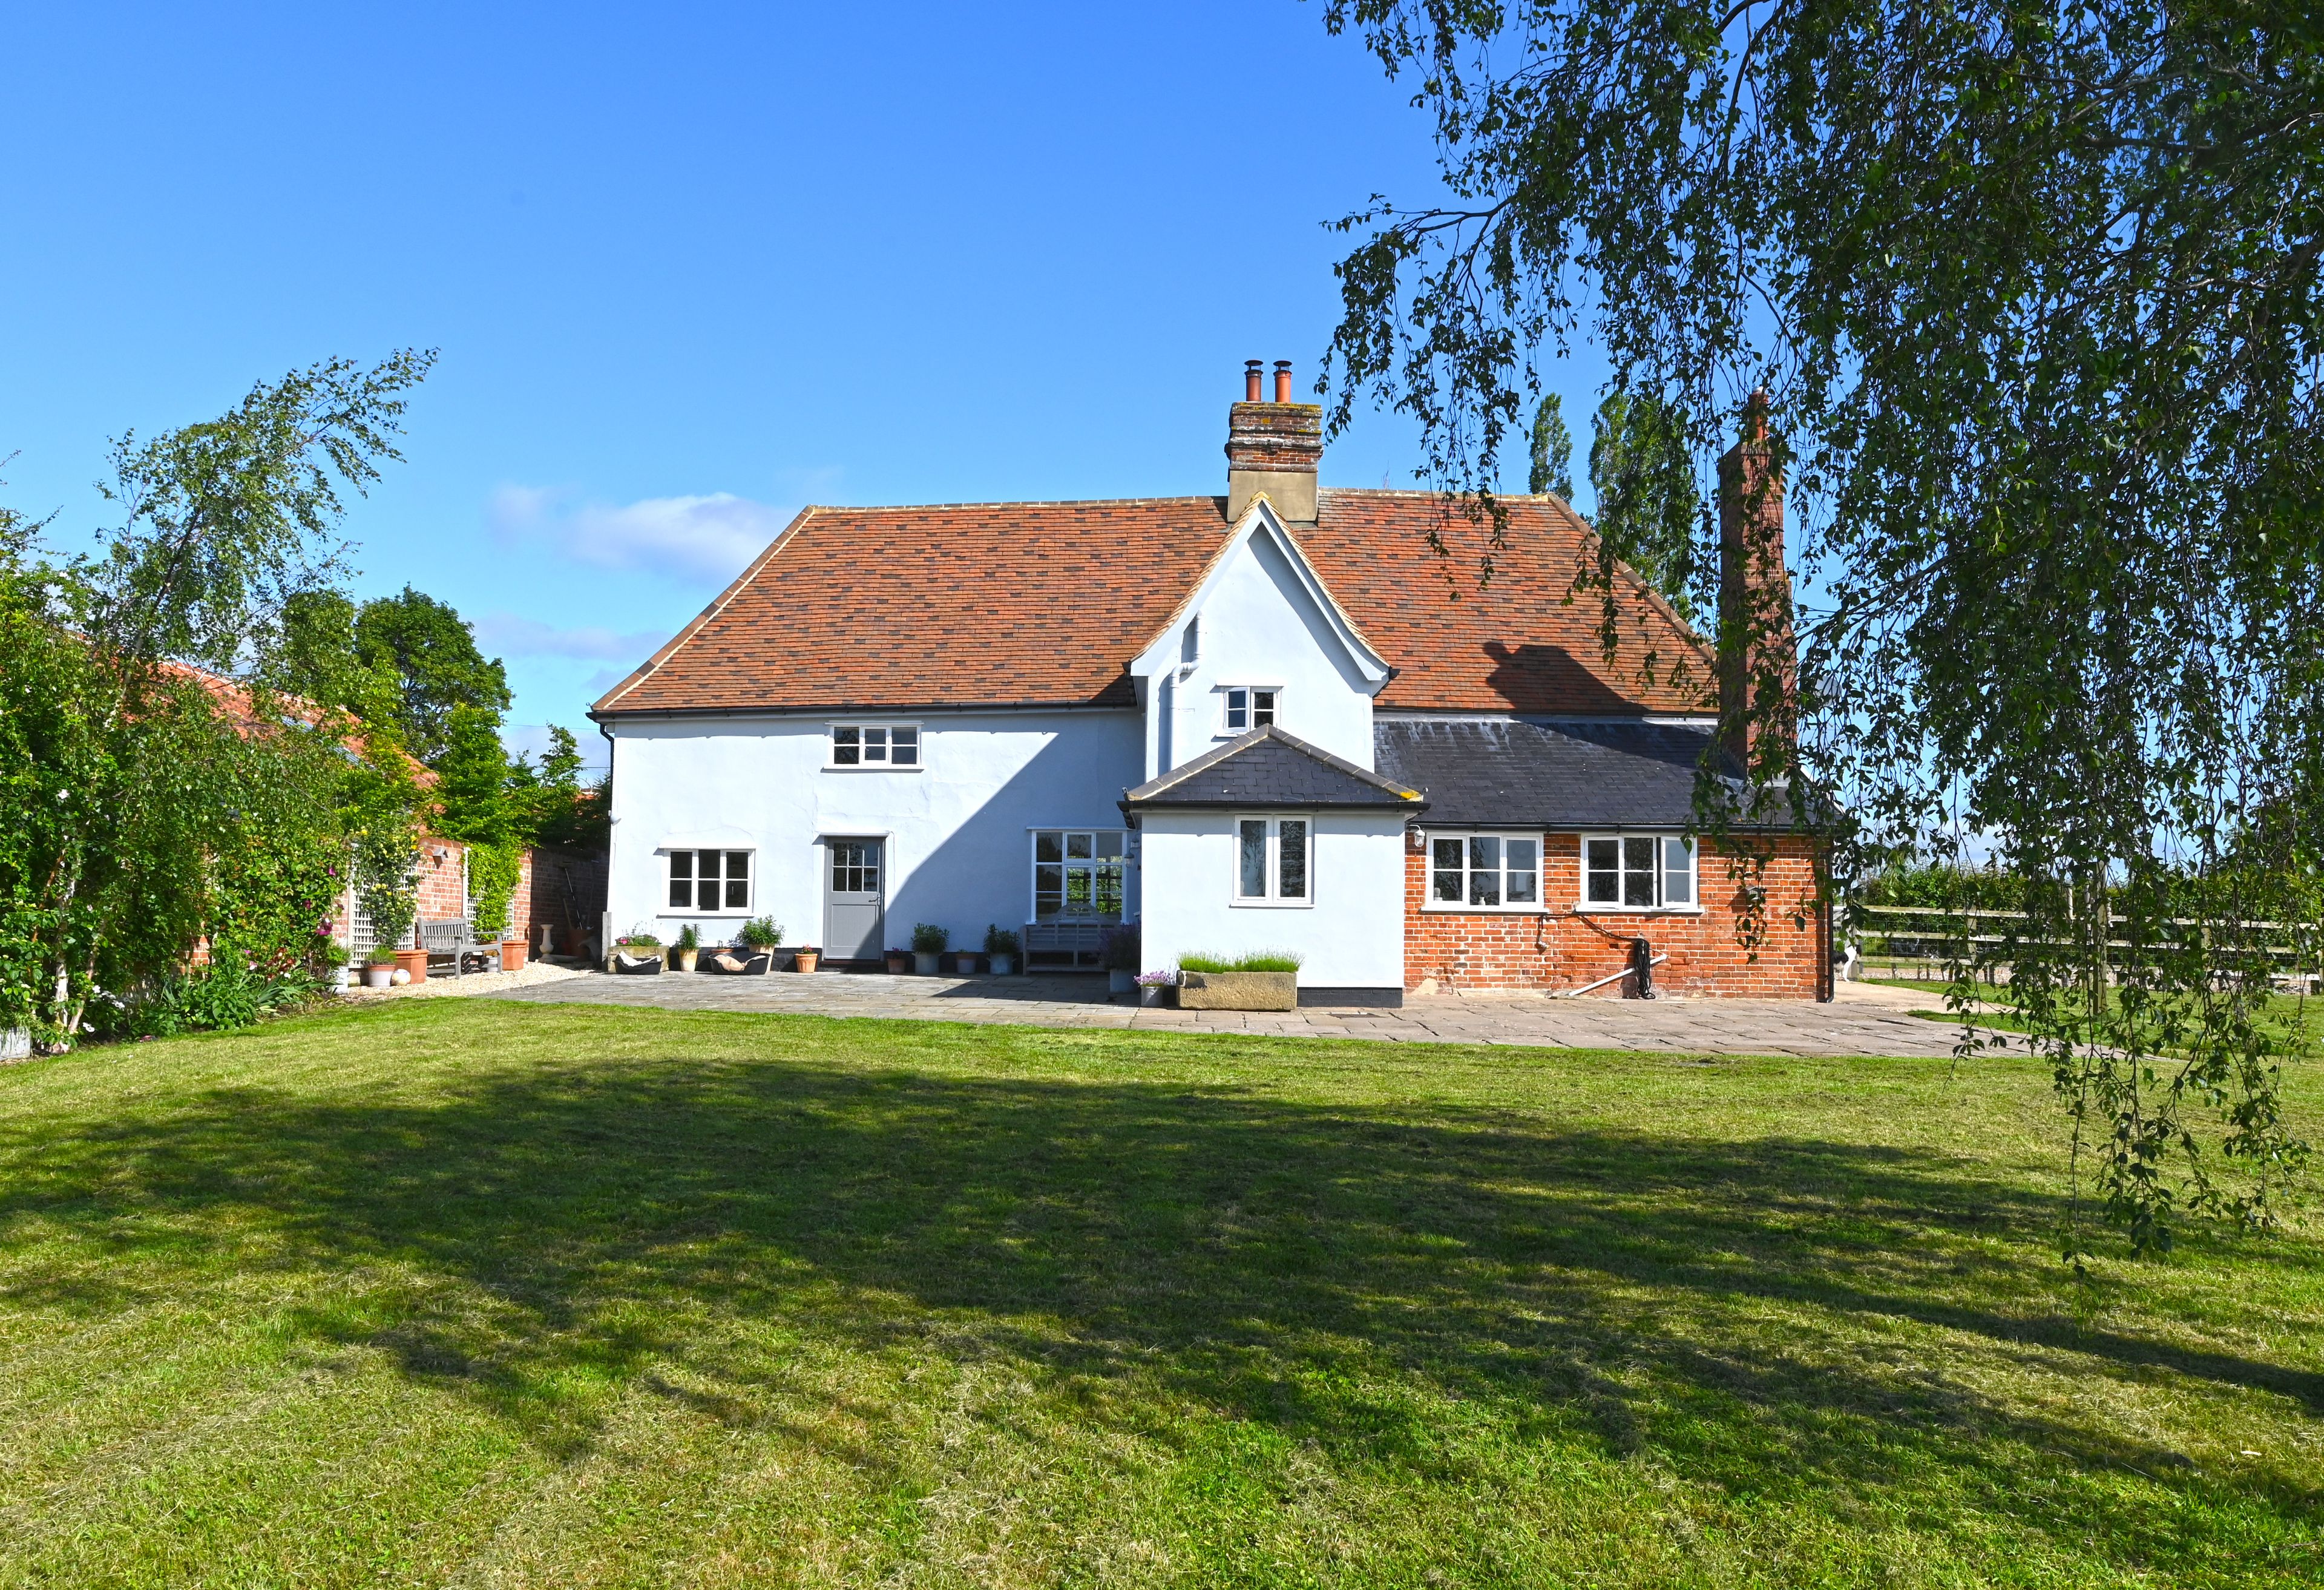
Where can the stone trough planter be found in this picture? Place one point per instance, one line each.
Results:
(1238, 991)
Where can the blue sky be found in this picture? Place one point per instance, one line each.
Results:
(689, 268)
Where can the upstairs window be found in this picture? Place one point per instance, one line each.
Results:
(1248, 706)
(709, 880)
(1485, 872)
(1637, 872)
(1274, 861)
(875, 745)
(1077, 875)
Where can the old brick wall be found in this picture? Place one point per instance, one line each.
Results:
(1559, 948)
(443, 879)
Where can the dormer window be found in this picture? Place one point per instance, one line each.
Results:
(1245, 707)
(876, 746)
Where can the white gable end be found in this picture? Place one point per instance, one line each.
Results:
(1261, 640)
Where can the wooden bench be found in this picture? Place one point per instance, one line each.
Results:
(452, 940)
(1079, 945)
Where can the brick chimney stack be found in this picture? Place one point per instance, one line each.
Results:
(1758, 659)
(1273, 448)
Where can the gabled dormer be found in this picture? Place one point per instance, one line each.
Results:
(1260, 643)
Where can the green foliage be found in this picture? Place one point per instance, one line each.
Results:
(473, 771)
(1552, 450)
(688, 938)
(1264, 960)
(761, 933)
(1945, 887)
(493, 870)
(386, 863)
(639, 938)
(550, 804)
(928, 939)
(223, 996)
(999, 940)
(144, 806)
(1649, 510)
(2035, 294)
(318, 660)
(433, 655)
(227, 520)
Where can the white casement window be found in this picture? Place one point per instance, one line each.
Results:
(875, 744)
(709, 880)
(1244, 708)
(1077, 875)
(1484, 872)
(1275, 861)
(1636, 872)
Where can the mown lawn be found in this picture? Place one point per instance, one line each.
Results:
(461, 1292)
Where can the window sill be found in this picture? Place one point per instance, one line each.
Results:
(1637, 910)
(673, 914)
(1271, 904)
(874, 767)
(1449, 908)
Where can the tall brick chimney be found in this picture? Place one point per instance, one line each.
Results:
(1758, 659)
(1273, 448)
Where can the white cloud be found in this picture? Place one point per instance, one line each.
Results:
(512, 635)
(690, 538)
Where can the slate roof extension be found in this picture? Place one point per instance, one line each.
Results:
(1268, 768)
(1557, 775)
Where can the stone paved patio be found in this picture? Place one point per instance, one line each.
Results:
(1865, 1021)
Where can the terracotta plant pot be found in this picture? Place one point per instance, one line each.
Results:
(380, 977)
(685, 958)
(512, 954)
(414, 961)
(805, 959)
(898, 961)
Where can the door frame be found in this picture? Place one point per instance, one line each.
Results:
(887, 839)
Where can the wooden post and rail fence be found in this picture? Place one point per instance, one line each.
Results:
(1926, 943)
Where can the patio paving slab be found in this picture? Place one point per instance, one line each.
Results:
(1864, 1021)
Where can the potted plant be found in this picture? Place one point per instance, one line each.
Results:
(379, 969)
(1157, 990)
(635, 951)
(1264, 980)
(332, 958)
(514, 949)
(900, 960)
(762, 936)
(929, 942)
(1119, 950)
(1000, 948)
(805, 958)
(689, 948)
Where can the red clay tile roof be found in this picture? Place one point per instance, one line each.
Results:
(1048, 603)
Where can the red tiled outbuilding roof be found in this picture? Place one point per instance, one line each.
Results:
(1024, 604)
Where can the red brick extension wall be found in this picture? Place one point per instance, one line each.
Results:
(1474, 950)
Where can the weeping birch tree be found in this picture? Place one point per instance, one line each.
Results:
(2033, 292)
(133, 787)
